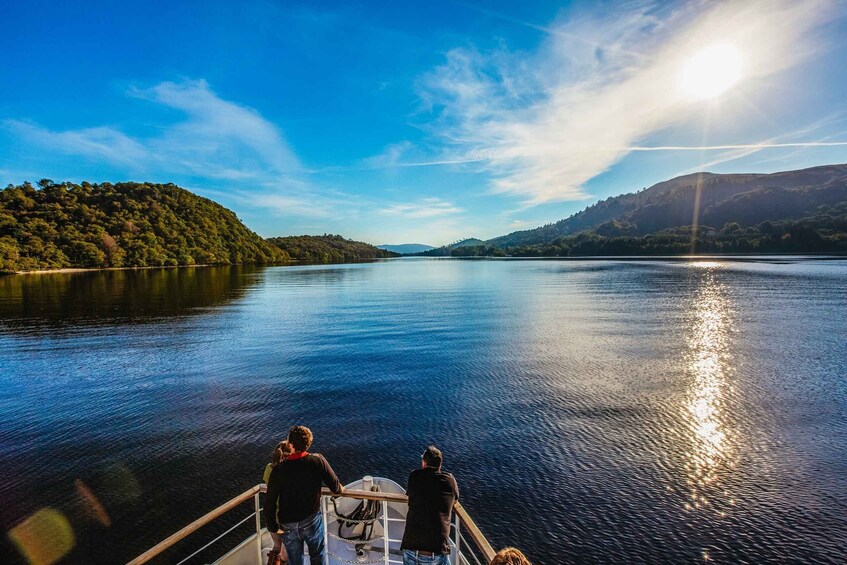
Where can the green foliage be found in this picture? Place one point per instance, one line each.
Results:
(328, 248)
(120, 225)
(825, 232)
(477, 251)
(84, 254)
(477, 246)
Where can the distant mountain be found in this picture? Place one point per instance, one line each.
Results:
(126, 224)
(328, 248)
(747, 199)
(406, 248)
(447, 250)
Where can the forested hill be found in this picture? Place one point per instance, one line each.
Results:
(328, 248)
(746, 199)
(452, 248)
(120, 225)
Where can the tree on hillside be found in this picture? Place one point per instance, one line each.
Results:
(328, 248)
(120, 225)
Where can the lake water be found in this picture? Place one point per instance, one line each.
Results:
(592, 411)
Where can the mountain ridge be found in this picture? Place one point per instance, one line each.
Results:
(669, 204)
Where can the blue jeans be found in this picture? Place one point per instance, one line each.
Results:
(411, 557)
(310, 531)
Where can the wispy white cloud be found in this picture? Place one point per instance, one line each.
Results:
(754, 146)
(217, 139)
(425, 208)
(432, 231)
(280, 204)
(728, 153)
(431, 163)
(229, 144)
(390, 157)
(407, 154)
(543, 125)
(98, 143)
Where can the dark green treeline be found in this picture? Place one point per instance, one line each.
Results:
(126, 224)
(328, 248)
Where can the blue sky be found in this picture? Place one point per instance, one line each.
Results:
(396, 122)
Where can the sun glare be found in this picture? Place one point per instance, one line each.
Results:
(712, 71)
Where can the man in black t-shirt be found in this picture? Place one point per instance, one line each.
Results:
(294, 487)
(432, 494)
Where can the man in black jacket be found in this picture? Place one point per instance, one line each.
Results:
(294, 489)
(432, 494)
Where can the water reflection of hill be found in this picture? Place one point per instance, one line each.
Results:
(141, 296)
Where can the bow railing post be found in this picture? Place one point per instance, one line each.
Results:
(326, 530)
(385, 529)
(457, 538)
(258, 527)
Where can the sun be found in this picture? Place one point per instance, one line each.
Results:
(712, 71)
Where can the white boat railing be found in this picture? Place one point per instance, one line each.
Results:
(468, 544)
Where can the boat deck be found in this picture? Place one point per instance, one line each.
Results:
(468, 544)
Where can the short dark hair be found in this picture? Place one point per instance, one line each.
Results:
(300, 437)
(432, 457)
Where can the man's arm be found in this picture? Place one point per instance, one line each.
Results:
(411, 486)
(329, 477)
(271, 503)
(455, 487)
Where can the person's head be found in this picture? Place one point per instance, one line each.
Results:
(300, 438)
(432, 457)
(510, 556)
(282, 450)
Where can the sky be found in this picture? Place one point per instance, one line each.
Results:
(424, 122)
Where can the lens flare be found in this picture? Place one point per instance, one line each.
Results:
(92, 504)
(44, 537)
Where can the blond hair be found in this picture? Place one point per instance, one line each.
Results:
(510, 556)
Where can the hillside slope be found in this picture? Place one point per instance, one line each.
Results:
(452, 248)
(328, 248)
(744, 198)
(120, 225)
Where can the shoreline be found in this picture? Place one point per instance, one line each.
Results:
(67, 270)
(70, 270)
(712, 257)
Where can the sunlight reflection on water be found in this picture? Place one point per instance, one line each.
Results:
(710, 369)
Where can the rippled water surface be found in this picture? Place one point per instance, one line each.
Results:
(592, 411)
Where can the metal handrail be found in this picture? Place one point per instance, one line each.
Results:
(462, 519)
(476, 534)
(368, 495)
(184, 559)
(196, 525)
